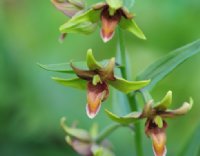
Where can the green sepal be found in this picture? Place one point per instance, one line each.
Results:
(131, 26)
(91, 61)
(62, 67)
(74, 132)
(84, 22)
(66, 67)
(128, 86)
(165, 102)
(74, 83)
(158, 121)
(114, 4)
(125, 120)
(186, 107)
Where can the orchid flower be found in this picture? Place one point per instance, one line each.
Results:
(111, 13)
(96, 80)
(155, 125)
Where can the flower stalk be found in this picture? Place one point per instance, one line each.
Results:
(131, 98)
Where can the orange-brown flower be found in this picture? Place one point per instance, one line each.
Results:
(111, 13)
(155, 125)
(96, 81)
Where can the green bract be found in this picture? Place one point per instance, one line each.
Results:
(95, 80)
(111, 14)
(155, 124)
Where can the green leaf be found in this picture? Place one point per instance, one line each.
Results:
(125, 120)
(84, 22)
(162, 67)
(74, 132)
(131, 26)
(165, 102)
(192, 146)
(115, 4)
(91, 61)
(74, 83)
(128, 86)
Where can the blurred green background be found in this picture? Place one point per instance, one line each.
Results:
(31, 104)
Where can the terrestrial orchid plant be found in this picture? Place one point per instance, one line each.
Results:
(96, 77)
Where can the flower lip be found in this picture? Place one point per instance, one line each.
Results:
(95, 95)
(158, 137)
(109, 23)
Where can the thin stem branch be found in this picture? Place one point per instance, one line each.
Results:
(122, 54)
(107, 131)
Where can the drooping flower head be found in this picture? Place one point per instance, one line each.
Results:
(155, 125)
(69, 8)
(96, 80)
(84, 142)
(111, 13)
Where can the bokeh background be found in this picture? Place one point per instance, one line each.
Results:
(31, 104)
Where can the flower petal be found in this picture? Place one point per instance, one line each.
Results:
(83, 74)
(131, 26)
(99, 5)
(157, 136)
(147, 110)
(128, 86)
(81, 147)
(165, 102)
(91, 61)
(115, 4)
(95, 95)
(180, 111)
(74, 83)
(109, 23)
(107, 73)
(66, 7)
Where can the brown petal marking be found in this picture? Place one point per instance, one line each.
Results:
(109, 24)
(65, 7)
(158, 137)
(95, 95)
(83, 74)
(107, 73)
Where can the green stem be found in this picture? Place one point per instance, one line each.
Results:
(146, 95)
(122, 54)
(107, 131)
(131, 98)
